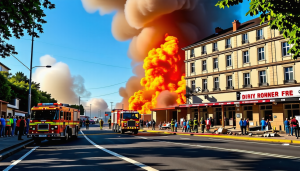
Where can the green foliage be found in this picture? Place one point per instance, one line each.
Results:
(17, 86)
(81, 108)
(281, 14)
(17, 16)
(5, 90)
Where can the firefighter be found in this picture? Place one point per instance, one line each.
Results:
(191, 125)
(172, 125)
(101, 124)
(109, 123)
(195, 125)
(87, 123)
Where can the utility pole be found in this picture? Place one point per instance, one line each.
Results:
(79, 106)
(90, 110)
(111, 105)
(29, 92)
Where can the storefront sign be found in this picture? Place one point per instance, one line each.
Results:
(270, 93)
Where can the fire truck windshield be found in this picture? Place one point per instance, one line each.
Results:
(45, 114)
(130, 116)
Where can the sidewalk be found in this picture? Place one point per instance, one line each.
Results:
(9, 142)
(282, 139)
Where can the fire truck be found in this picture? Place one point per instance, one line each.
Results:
(53, 121)
(125, 120)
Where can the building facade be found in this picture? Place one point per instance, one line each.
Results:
(242, 72)
(3, 67)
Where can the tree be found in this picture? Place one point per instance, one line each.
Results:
(5, 90)
(17, 16)
(281, 14)
(81, 108)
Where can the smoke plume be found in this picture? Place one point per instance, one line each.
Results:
(146, 22)
(97, 105)
(59, 82)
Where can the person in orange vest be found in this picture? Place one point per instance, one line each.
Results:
(208, 125)
(8, 126)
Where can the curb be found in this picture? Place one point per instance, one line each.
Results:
(8, 153)
(232, 137)
(13, 146)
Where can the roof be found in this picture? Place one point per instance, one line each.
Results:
(4, 66)
(227, 31)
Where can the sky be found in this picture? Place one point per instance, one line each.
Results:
(85, 43)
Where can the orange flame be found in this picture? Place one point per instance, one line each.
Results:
(163, 71)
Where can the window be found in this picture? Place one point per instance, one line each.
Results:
(259, 34)
(229, 81)
(228, 60)
(247, 79)
(193, 85)
(266, 111)
(291, 110)
(204, 82)
(261, 53)
(288, 74)
(192, 67)
(228, 43)
(285, 49)
(203, 49)
(246, 57)
(215, 46)
(248, 112)
(245, 38)
(215, 63)
(204, 65)
(216, 83)
(192, 52)
(262, 77)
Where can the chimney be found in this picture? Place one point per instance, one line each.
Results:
(236, 24)
(218, 30)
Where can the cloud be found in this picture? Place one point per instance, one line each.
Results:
(97, 105)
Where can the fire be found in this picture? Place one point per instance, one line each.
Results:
(163, 72)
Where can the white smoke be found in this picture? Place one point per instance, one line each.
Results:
(97, 106)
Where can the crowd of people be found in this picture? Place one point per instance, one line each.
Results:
(15, 125)
(292, 126)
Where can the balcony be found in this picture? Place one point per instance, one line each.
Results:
(203, 52)
(192, 55)
(216, 89)
(205, 90)
(228, 46)
(263, 84)
(229, 88)
(289, 81)
(245, 41)
(259, 37)
(247, 86)
(215, 49)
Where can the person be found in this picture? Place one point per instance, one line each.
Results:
(101, 124)
(184, 126)
(109, 123)
(212, 122)
(297, 129)
(83, 122)
(268, 125)
(202, 125)
(13, 128)
(195, 125)
(8, 127)
(287, 126)
(245, 126)
(153, 124)
(208, 125)
(159, 126)
(80, 123)
(2, 129)
(150, 123)
(172, 125)
(18, 125)
(263, 124)
(248, 125)
(191, 125)
(241, 125)
(293, 126)
(188, 126)
(21, 128)
(176, 125)
(87, 124)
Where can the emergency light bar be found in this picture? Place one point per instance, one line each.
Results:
(53, 104)
(129, 111)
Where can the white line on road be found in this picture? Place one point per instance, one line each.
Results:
(120, 156)
(184, 138)
(20, 159)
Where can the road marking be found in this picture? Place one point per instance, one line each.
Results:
(120, 156)
(285, 144)
(20, 159)
(185, 138)
(98, 134)
(144, 137)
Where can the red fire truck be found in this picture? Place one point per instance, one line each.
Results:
(125, 120)
(53, 121)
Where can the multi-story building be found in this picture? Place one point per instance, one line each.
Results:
(3, 67)
(242, 72)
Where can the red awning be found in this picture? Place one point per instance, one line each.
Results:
(227, 103)
(167, 108)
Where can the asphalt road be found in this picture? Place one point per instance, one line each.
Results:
(106, 150)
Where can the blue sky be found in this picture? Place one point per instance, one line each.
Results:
(85, 43)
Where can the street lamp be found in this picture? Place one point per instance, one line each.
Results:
(29, 92)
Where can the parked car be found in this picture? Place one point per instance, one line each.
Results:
(92, 121)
